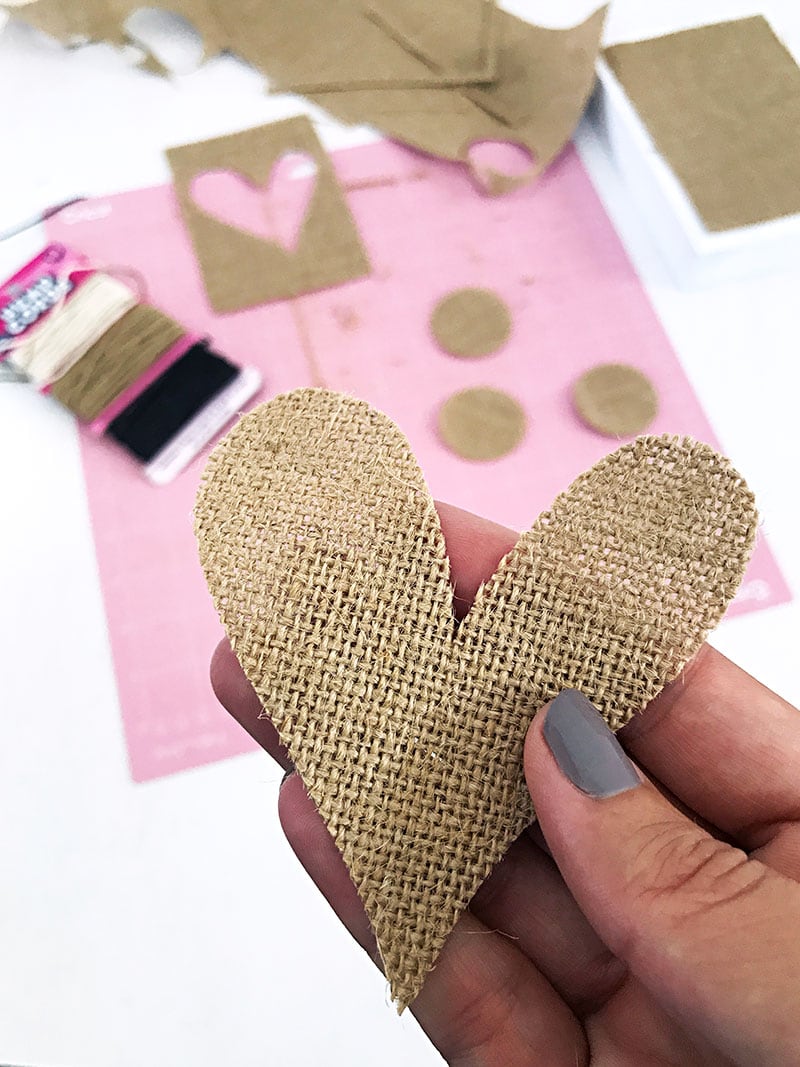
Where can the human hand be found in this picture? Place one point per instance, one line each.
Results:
(659, 924)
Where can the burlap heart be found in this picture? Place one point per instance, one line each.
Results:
(323, 552)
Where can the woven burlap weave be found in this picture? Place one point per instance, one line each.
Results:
(324, 554)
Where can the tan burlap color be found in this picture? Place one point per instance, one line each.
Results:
(323, 551)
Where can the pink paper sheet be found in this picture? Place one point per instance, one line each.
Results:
(549, 250)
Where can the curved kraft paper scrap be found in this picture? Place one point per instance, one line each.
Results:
(72, 21)
(323, 551)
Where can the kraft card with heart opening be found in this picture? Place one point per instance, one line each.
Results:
(255, 257)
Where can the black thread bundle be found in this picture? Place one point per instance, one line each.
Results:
(171, 401)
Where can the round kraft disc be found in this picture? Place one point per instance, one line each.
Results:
(471, 323)
(615, 399)
(481, 424)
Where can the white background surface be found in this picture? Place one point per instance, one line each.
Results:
(168, 924)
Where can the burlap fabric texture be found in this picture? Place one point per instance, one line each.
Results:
(324, 554)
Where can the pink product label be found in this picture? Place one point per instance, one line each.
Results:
(35, 290)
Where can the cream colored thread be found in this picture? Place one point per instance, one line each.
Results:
(72, 328)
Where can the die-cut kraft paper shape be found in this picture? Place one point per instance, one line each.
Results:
(241, 269)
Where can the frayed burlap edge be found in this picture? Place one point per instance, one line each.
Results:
(323, 552)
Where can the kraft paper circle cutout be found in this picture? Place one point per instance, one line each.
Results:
(481, 424)
(471, 323)
(615, 399)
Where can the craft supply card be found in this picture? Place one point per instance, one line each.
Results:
(548, 250)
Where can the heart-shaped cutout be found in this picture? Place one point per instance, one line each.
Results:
(274, 212)
(322, 549)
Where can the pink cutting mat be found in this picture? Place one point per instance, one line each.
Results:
(550, 251)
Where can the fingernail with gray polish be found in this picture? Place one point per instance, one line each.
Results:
(584, 748)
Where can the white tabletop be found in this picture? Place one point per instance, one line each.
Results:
(168, 923)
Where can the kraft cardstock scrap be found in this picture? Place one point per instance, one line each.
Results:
(77, 22)
(722, 105)
(320, 45)
(322, 549)
(457, 46)
(305, 44)
(544, 79)
(241, 269)
(81, 21)
(347, 63)
(455, 38)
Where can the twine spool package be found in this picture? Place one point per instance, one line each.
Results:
(125, 369)
(323, 552)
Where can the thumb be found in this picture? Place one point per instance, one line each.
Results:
(711, 933)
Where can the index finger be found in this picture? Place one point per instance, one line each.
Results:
(728, 748)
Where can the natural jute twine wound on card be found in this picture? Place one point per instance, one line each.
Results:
(116, 360)
(323, 551)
